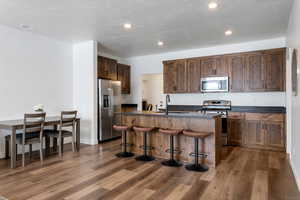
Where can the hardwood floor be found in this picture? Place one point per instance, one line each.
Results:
(95, 173)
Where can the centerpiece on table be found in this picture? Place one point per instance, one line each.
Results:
(38, 108)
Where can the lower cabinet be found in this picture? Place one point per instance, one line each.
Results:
(274, 135)
(256, 130)
(254, 134)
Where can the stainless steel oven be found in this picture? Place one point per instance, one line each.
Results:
(214, 84)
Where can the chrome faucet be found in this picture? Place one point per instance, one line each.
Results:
(167, 101)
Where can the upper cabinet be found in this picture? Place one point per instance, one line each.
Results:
(175, 76)
(112, 70)
(255, 72)
(194, 75)
(107, 68)
(124, 77)
(236, 66)
(213, 66)
(259, 71)
(274, 61)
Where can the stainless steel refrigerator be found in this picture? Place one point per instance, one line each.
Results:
(109, 109)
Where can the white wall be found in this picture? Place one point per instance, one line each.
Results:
(152, 88)
(293, 41)
(33, 70)
(152, 64)
(85, 89)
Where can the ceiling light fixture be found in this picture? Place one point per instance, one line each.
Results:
(228, 32)
(160, 43)
(212, 5)
(25, 27)
(127, 26)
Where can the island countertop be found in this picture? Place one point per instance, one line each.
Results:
(184, 144)
(175, 114)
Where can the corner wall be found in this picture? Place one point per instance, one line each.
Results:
(85, 89)
(293, 41)
(34, 69)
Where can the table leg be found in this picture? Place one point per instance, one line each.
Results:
(13, 148)
(78, 135)
(55, 140)
(47, 144)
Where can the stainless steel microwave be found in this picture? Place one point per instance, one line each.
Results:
(214, 84)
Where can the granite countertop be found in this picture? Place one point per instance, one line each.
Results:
(175, 114)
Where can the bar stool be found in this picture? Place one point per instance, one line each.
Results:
(171, 132)
(196, 135)
(145, 130)
(124, 153)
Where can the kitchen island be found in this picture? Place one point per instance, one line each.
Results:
(188, 121)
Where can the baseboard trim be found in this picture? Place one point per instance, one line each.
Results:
(2, 155)
(296, 173)
(88, 141)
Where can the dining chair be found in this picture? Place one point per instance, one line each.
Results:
(67, 120)
(33, 133)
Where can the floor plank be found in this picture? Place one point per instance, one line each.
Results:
(95, 173)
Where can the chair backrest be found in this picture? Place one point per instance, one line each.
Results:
(68, 119)
(34, 123)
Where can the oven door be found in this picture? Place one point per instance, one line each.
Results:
(214, 84)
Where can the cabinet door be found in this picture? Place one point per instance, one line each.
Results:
(254, 134)
(236, 65)
(235, 131)
(213, 66)
(275, 70)
(107, 68)
(124, 77)
(194, 75)
(175, 76)
(275, 135)
(255, 72)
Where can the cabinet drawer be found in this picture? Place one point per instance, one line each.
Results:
(266, 117)
(236, 115)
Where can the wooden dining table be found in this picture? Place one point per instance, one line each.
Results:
(13, 125)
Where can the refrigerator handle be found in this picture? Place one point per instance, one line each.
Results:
(111, 101)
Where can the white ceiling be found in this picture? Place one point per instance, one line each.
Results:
(181, 24)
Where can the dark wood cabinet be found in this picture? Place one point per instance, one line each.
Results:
(235, 125)
(274, 62)
(107, 68)
(258, 71)
(175, 76)
(264, 131)
(255, 72)
(236, 66)
(213, 66)
(274, 134)
(194, 75)
(253, 135)
(124, 77)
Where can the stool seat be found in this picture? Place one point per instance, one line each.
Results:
(142, 129)
(170, 131)
(120, 127)
(196, 134)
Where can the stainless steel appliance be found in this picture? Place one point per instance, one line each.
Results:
(109, 109)
(214, 84)
(221, 107)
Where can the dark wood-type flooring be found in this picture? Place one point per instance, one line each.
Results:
(95, 173)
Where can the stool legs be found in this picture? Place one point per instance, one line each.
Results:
(145, 157)
(171, 162)
(196, 166)
(124, 153)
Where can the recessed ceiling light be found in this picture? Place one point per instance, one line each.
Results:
(228, 32)
(127, 26)
(212, 5)
(25, 27)
(160, 43)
